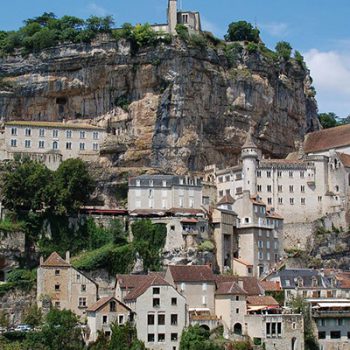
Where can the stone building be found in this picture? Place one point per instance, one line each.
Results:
(61, 286)
(305, 186)
(103, 314)
(160, 313)
(189, 19)
(51, 142)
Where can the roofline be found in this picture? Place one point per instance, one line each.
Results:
(49, 124)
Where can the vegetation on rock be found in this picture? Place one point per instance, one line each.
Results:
(242, 31)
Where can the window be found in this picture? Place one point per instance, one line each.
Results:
(320, 198)
(82, 302)
(291, 201)
(41, 144)
(267, 244)
(269, 200)
(268, 173)
(279, 328)
(340, 322)
(181, 181)
(156, 302)
(112, 306)
(185, 18)
(261, 255)
(259, 188)
(13, 143)
(161, 338)
(13, 131)
(279, 173)
(260, 244)
(57, 287)
(150, 338)
(120, 319)
(228, 192)
(57, 304)
(104, 319)
(173, 320)
(269, 188)
(204, 300)
(41, 132)
(335, 334)
(138, 183)
(221, 193)
(280, 201)
(83, 287)
(68, 145)
(280, 188)
(150, 319)
(204, 287)
(237, 310)
(258, 173)
(173, 301)
(82, 134)
(275, 245)
(156, 290)
(237, 297)
(78, 277)
(27, 143)
(164, 183)
(291, 188)
(55, 145)
(337, 188)
(302, 174)
(291, 174)
(221, 179)
(321, 335)
(227, 178)
(95, 135)
(28, 132)
(268, 257)
(57, 272)
(239, 190)
(302, 188)
(69, 134)
(174, 337)
(55, 133)
(302, 201)
(161, 319)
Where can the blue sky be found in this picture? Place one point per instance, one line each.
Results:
(318, 28)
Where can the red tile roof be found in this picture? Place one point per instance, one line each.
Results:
(250, 284)
(261, 301)
(140, 289)
(192, 273)
(227, 199)
(345, 159)
(54, 260)
(230, 288)
(270, 286)
(131, 281)
(102, 302)
(327, 139)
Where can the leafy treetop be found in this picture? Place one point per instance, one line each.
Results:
(242, 31)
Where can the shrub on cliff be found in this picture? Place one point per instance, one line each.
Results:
(242, 31)
(284, 50)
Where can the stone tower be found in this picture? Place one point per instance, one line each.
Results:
(172, 16)
(249, 157)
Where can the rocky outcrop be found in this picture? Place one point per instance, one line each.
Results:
(172, 107)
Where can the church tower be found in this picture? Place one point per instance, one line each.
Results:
(172, 16)
(249, 155)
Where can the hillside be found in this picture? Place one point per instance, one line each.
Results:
(177, 106)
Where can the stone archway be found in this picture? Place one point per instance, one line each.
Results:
(237, 329)
(205, 327)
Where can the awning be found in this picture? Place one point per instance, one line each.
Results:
(262, 307)
(189, 221)
(201, 309)
(320, 305)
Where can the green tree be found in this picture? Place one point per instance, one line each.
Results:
(197, 338)
(99, 24)
(43, 20)
(60, 331)
(328, 120)
(124, 337)
(117, 231)
(73, 186)
(299, 58)
(284, 50)
(148, 241)
(33, 316)
(242, 31)
(101, 343)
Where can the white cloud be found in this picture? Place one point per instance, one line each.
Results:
(275, 29)
(96, 10)
(330, 71)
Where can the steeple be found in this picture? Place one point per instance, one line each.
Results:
(249, 142)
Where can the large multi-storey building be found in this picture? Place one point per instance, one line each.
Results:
(52, 142)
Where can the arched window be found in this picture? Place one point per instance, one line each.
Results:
(237, 329)
(55, 145)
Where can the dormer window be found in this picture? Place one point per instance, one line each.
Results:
(112, 306)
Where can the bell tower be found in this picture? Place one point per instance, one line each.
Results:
(172, 16)
(249, 155)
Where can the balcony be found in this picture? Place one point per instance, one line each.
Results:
(330, 313)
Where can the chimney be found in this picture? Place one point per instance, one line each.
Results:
(240, 284)
(68, 256)
(41, 260)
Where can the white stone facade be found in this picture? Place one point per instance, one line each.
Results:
(51, 142)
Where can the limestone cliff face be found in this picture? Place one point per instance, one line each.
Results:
(172, 106)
